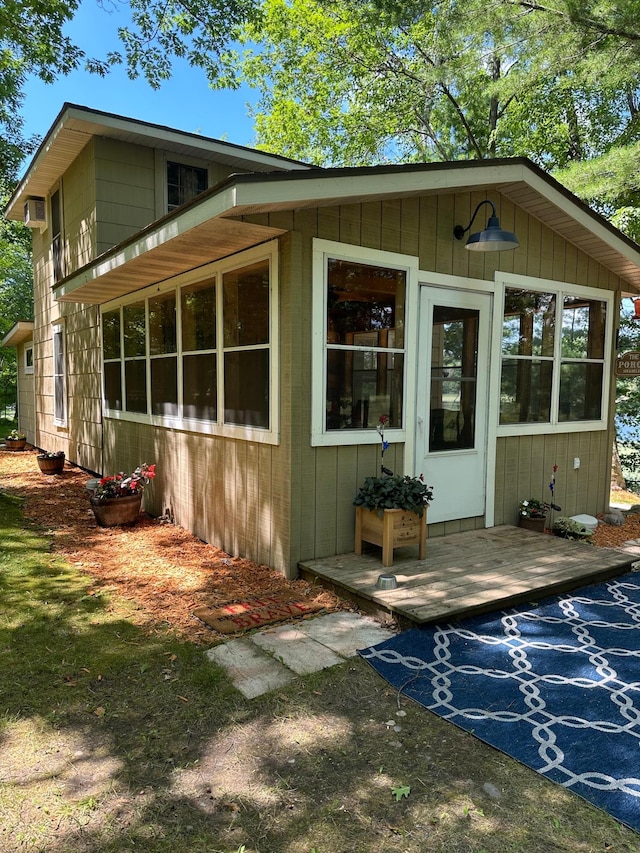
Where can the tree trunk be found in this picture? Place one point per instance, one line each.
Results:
(617, 477)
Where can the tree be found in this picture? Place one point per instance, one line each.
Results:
(364, 81)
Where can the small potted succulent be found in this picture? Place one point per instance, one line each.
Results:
(116, 499)
(51, 461)
(16, 440)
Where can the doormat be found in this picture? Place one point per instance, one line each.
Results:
(255, 612)
(556, 686)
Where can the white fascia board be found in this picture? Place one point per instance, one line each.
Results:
(276, 191)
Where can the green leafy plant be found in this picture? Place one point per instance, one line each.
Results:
(570, 529)
(16, 435)
(394, 492)
(533, 508)
(122, 486)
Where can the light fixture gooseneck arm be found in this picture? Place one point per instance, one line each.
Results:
(459, 231)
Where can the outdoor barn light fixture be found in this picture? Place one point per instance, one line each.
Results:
(492, 239)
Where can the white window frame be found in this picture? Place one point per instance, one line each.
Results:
(560, 289)
(216, 270)
(323, 250)
(28, 368)
(59, 404)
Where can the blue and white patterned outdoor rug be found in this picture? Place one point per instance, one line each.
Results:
(556, 686)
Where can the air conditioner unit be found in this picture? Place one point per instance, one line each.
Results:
(35, 213)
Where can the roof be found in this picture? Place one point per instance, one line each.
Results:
(19, 333)
(75, 125)
(209, 227)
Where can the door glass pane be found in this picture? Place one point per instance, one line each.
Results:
(454, 378)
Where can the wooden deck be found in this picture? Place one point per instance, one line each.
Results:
(467, 573)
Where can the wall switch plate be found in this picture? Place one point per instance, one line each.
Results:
(576, 462)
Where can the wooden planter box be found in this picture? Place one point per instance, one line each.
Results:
(537, 524)
(51, 464)
(117, 511)
(395, 529)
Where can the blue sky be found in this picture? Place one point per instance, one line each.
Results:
(185, 102)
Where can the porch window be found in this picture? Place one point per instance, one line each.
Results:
(59, 377)
(365, 345)
(198, 354)
(56, 236)
(553, 357)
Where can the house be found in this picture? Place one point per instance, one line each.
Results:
(243, 320)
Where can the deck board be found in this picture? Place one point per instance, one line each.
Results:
(467, 573)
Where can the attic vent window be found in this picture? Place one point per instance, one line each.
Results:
(184, 183)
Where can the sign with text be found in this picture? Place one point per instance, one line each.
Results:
(628, 364)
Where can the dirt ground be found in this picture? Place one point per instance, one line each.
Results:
(165, 570)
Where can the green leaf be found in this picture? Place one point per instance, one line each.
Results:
(401, 791)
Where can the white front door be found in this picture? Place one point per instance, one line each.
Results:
(453, 380)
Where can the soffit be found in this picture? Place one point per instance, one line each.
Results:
(19, 333)
(137, 265)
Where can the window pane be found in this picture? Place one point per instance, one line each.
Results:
(112, 385)
(58, 353)
(525, 391)
(111, 334)
(583, 328)
(164, 386)
(162, 324)
(365, 299)
(246, 388)
(246, 305)
(580, 392)
(184, 183)
(58, 403)
(529, 323)
(361, 387)
(199, 317)
(28, 357)
(199, 379)
(135, 377)
(134, 330)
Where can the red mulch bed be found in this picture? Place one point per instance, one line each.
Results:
(165, 570)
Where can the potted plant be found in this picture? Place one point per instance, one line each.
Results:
(16, 440)
(391, 510)
(51, 461)
(567, 528)
(117, 498)
(532, 514)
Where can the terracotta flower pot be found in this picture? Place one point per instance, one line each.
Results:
(51, 464)
(112, 512)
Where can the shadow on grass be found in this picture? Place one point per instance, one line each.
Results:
(115, 738)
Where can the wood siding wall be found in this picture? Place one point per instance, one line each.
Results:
(324, 480)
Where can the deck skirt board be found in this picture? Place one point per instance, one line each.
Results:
(467, 573)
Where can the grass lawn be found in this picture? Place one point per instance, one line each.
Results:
(115, 739)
